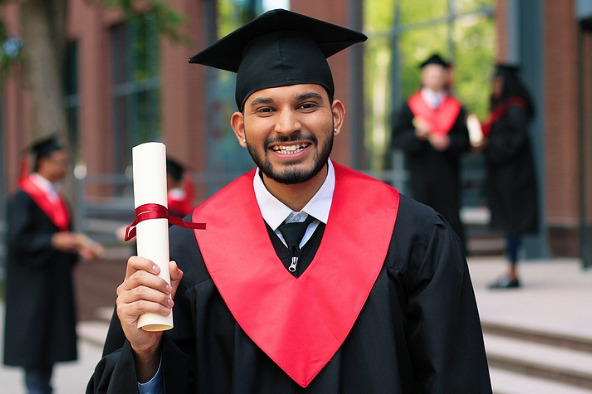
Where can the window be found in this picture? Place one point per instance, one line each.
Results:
(72, 96)
(135, 86)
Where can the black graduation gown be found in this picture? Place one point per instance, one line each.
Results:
(511, 176)
(419, 330)
(434, 175)
(40, 325)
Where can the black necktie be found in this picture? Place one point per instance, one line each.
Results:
(292, 233)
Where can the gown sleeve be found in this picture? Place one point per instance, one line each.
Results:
(444, 330)
(403, 134)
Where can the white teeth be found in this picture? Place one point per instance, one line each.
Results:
(288, 150)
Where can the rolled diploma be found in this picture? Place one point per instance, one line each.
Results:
(152, 236)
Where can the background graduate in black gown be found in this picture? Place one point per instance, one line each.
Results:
(511, 176)
(430, 128)
(40, 327)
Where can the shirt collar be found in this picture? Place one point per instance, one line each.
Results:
(431, 97)
(44, 184)
(274, 212)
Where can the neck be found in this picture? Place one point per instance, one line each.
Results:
(296, 196)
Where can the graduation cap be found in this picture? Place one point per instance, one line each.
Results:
(45, 147)
(506, 70)
(174, 168)
(434, 59)
(278, 48)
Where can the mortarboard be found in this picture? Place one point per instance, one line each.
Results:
(278, 48)
(434, 59)
(46, 146)
(174, 168)
(506, 70)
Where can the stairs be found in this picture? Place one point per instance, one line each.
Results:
(525, 360)
(95, 331)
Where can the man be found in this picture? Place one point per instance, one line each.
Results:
(40, 327)
(376, 297)
(430, 129)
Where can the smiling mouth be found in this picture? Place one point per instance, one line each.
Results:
(289, 149)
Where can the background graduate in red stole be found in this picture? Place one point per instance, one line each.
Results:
(430, 129)
(40, 327)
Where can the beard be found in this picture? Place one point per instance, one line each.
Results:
(292, 175)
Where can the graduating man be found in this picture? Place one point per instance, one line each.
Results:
(430, 128)
(40, 327)
(376, 295)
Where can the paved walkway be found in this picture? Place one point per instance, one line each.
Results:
(557, 295)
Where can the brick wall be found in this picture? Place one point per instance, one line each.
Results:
(561, 126)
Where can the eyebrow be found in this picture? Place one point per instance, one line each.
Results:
(303, 96)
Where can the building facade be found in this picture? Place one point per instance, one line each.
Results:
(126, 84)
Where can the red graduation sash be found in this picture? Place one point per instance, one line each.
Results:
(298, 322)
(440, 120)
(56, 211)
(499, 112)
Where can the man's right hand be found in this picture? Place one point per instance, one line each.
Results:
(144, 291)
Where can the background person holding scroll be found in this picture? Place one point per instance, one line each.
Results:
(376, 296)
(40, 327)
(430, 129)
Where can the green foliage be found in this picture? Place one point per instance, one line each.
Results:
(10, 50)
(168, 19)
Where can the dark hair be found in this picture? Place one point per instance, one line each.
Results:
(512, 87)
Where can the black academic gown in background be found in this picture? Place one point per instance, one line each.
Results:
(434, 175)
(511, 176)
(40, 318)
(419, 331)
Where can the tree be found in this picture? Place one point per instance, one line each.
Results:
(44, 24)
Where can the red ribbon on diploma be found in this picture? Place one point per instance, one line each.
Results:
(157, 211)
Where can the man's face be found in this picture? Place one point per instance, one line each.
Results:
(289, 131)
(55, 166)
(433, 77)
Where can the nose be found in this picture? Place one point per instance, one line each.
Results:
(288, 121)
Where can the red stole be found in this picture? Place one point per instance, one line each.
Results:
(500, 111)
(298, 322)
(181, 206)
(440, 120)
(56, 211)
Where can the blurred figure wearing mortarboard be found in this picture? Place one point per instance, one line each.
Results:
(430, 129)
(511, 175)
(179, 199)
(40, 327)
(354, 303)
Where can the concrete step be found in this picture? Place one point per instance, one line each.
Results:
(507, 382)
(544, 335)
(95, 331)
(557, 364)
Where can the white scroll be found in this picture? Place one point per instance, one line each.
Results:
(152, 236)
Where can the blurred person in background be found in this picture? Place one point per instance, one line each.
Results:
(179, 198)
(511, 175)
(430, 129)
(40, 326)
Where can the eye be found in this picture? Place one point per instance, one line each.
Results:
(264, 110)
(308, 106)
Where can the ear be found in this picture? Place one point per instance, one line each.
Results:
(338, 111)
(237, 122)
